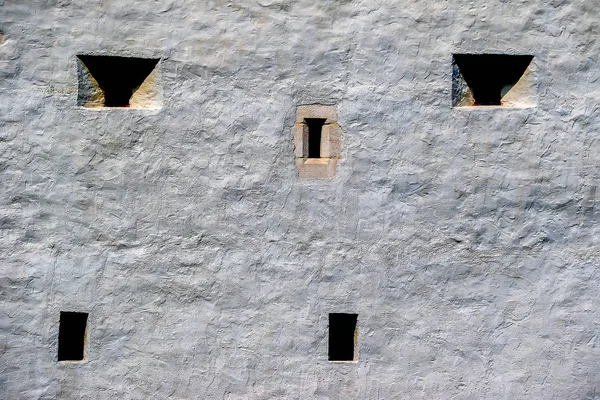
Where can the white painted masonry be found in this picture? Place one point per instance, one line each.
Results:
(465, 238)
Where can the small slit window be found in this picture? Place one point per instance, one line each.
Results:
(489, 79)
(315, 126)
(317, 141)
(109, 81)
(72, 336)
(343, 335)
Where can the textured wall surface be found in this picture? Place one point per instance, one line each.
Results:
(466, 239)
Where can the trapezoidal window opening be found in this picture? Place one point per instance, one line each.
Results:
(110, 81)
(72, 334)
(343, 335)
(485, 79)
(315, 127)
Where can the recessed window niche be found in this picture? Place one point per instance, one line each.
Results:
(492, 80)
(343, 337)
(317, 141)
(109, 81)
(72, 334)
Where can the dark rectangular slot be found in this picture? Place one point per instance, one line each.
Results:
(342, 337)
(315, 125)
(71, 336)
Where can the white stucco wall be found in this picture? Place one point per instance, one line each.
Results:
(466, 239)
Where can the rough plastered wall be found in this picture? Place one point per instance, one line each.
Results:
(466, 239)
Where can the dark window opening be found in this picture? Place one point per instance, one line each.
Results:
(342, 337)
(491, 76)
(315, 125)
(118, 77)
(71, 336)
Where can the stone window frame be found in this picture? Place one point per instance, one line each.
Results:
(330, 147)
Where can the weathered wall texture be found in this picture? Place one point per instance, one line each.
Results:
(465, 238)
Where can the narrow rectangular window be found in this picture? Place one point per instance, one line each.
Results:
(317, 141)
(315, 125)
(71, 336)
(343, 335)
